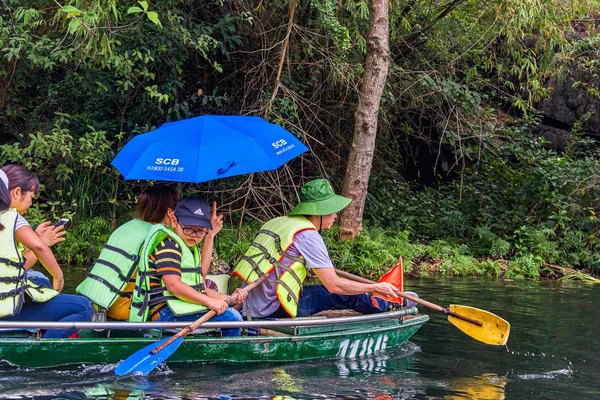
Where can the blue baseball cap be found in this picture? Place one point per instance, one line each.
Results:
(193, 211)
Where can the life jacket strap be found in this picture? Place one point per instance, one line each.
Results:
(11, 279)
(280, 250)
(151, 298)
(154, 290)
(277, 263)
(12, 293)
(142, 305)
(199, 287)
(133, 257)
(195, 269)
(254, 264)
(149, 303)
(12, 263)
(110, 286)
(112, 266)
(144, 274)
(291, 294)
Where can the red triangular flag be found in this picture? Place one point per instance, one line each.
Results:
(395, 276)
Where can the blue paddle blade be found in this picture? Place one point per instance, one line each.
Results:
(142, 362)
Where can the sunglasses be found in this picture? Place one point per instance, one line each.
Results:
(199, 233)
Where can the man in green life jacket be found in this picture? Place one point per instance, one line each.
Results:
(170, 286)
(286, 247)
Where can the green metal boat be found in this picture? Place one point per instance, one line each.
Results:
(324, 336)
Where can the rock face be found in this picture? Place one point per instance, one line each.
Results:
(567, 106)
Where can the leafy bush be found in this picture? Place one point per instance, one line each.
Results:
(524, 202)
(525, 266)
(83, 242)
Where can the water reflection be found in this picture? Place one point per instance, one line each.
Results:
(377, 364)
(483, 387)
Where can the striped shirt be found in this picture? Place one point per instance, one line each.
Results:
(165, 260)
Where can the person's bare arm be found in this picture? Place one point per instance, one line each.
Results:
(50, 235)
(206, 254)
(30, 258)
(187, 293)
(207, 247)
(26, 236)
(241, 294)
(337, 285)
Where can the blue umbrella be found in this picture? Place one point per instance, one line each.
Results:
(205, 148)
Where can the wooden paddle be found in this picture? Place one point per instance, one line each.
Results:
(145, 360)
(481, 325)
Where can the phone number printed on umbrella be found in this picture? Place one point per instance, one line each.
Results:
(164, 168)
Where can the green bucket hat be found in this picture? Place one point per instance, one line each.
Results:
(318, 198)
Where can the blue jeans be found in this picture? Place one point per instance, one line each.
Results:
(316, 298)
(62, 308)
(166, 315)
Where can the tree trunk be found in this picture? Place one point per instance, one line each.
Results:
(360, 160)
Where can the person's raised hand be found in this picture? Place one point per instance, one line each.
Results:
(216, 221)
(50, 234)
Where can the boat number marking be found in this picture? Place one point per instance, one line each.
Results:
(351, 349)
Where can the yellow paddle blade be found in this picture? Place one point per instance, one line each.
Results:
(494, 330)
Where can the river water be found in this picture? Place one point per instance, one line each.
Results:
(553, 353)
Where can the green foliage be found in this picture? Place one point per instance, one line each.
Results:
(83, 241)
(80, 184)
(79, 79)
(523, 202)
(490, 268)
(461, 265)
(326, 12)
(526, 266)
(487, 243)
(372, 254)
(230, 244)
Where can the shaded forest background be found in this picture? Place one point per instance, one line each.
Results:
(487, 153)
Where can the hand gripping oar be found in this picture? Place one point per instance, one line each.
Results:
(479, 324)
(145, 360)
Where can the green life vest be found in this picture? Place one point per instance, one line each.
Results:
(191, 274)
(116, 265)
(266, 252)
(13, 284)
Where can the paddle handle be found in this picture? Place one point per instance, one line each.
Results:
(194, 325)
(411, 298)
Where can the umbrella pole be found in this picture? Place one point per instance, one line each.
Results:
(237, 237)
(212, 188)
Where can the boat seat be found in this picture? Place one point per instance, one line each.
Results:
(119, 333)
(21, 332)
(337, 313)
(222, 282)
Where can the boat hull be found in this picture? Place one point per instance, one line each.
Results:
(299, 343)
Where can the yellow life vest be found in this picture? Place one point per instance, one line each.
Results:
(265, 254)
(191, 274)
(13, 284)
